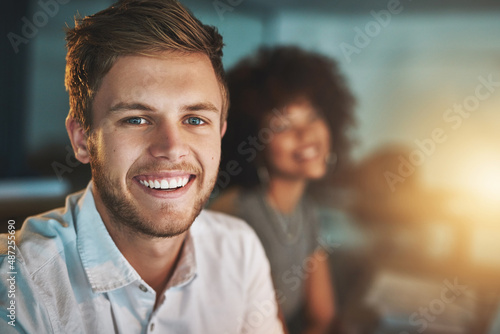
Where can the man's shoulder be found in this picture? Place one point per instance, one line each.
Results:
(222, 223)
(43, 236)
(216, 230)
(226, 243)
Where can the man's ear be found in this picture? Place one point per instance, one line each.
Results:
(223, 129)
(78, 139)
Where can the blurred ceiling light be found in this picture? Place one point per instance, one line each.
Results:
(477, 184)
(481, 175)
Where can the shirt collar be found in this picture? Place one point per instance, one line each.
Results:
(185, 269)
(105, 266)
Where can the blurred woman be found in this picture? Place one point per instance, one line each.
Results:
(288, 121)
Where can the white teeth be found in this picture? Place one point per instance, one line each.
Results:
(166, 184)
(184, 181)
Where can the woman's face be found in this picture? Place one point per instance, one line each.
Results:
(300, 143)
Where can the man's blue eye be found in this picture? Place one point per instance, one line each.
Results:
(194, 121)
(136, 120)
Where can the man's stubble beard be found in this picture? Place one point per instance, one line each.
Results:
(126, 216)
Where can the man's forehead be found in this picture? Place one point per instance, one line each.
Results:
(161, 62)
(139, 79)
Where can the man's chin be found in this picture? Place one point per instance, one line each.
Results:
(137, 214)
(149, 232)
(166, 224)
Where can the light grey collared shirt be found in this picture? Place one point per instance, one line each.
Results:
(69, 277)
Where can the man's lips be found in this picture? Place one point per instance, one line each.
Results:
(165, 182)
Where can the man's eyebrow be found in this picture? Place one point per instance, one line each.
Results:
(124, 106)
(202, 106)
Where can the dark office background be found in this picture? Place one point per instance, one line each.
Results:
(396, 247)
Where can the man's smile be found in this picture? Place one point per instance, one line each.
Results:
(165, 182)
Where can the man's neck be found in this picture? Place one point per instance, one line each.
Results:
(154, 259)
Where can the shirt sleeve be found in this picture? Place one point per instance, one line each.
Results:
(20, 309)
(261, 312)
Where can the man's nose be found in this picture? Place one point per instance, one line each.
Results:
(168, 142)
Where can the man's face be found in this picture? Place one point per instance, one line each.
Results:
(155, 143)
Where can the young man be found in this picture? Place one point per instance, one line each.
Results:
(135, 252)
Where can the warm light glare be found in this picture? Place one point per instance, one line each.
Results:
(481, 176)
(473, 174)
